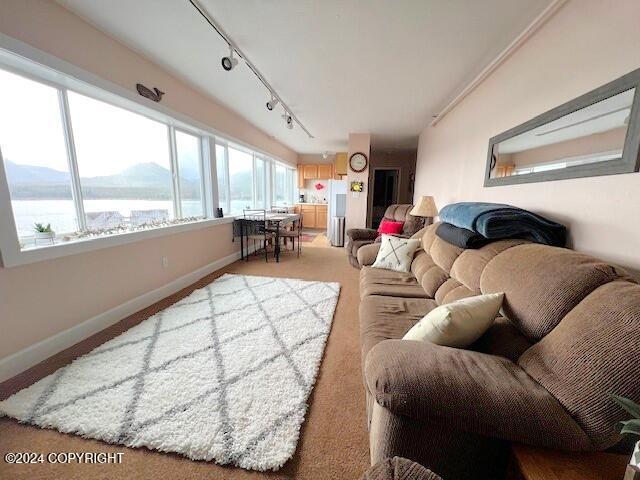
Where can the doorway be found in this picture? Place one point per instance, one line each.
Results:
(385, 192)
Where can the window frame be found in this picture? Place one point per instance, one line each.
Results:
(29, 62)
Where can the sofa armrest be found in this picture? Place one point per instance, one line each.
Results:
(367, 254)
(362, 234)
(469, 392)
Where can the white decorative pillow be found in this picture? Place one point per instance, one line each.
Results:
(396, 253)
(458, 324)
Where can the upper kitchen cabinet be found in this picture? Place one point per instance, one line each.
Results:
(325, 171)
(310, 172)
(340, 166)
(322, 171)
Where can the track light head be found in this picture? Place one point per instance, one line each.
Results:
(273, 103)
(288, 120)
(229, 62)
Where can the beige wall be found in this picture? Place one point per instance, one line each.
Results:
(586, 44)
(357, 203)
(44, 298)
(41, 299)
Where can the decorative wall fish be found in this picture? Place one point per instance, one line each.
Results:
(155, 94)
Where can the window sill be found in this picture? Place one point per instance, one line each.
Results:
(12, 257)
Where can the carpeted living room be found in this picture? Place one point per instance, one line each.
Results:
(319, 240)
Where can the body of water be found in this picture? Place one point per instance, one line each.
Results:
(61, 214)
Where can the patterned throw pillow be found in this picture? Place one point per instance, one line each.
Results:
(396, 253)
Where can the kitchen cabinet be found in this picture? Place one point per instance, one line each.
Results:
(322, 171)
(325, 172)
(340, 166)
(308, 216)
(313, 215)
(310, 172)
(321, 216)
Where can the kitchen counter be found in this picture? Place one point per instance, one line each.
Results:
(314, 215)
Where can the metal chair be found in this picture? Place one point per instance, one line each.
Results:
(257, 229)
(295, 233)
(280, 209)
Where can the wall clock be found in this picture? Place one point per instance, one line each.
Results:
(358, 162)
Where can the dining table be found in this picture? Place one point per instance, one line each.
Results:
(274, 222)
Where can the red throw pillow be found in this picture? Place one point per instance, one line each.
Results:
(390, 228)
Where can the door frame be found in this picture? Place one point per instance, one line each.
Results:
(372, 187)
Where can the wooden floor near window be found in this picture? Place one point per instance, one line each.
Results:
(334, 439)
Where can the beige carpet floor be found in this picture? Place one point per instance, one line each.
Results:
(333, 442)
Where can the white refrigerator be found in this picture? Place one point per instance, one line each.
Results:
(336, 212)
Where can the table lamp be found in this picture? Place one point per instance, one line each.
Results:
(426, 208)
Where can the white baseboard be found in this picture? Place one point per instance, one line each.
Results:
(34, 354)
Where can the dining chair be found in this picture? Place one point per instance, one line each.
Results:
(257, 229)
(280, 209)
(293, 234)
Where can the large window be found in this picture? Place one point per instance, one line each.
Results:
(83, 165)
(91, 163)
(222, 172)
(248, 179)
(35, 156)
(283, 185)
(240, 179)
(124, 165)
(260, 187)
(190, 174)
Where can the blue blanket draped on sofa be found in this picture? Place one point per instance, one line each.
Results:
(498, 220)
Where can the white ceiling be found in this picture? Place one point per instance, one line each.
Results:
(379, 66)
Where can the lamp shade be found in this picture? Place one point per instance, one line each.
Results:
(425, 207)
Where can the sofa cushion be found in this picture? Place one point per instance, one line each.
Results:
(383, 318)
(378, 281)
(444, 254)
(398, 468)
(542, 284)
(468, 267)
(367, 254)
(468, 392)
(594, 351)
(502, 339)
(429, 236)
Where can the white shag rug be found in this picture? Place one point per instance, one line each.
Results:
(222, 375)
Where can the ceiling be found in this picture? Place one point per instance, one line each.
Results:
(378, 66)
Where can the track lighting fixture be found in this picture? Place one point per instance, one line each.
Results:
(229, 62)
(271, 104)
(235, 53)
(288, 120)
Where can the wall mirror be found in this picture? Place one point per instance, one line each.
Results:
(595, 134)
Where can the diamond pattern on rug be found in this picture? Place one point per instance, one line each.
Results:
(224, 374)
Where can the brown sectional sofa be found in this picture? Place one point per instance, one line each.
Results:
(540, 375)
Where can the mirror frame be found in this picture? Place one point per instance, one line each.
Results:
(631, 150)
